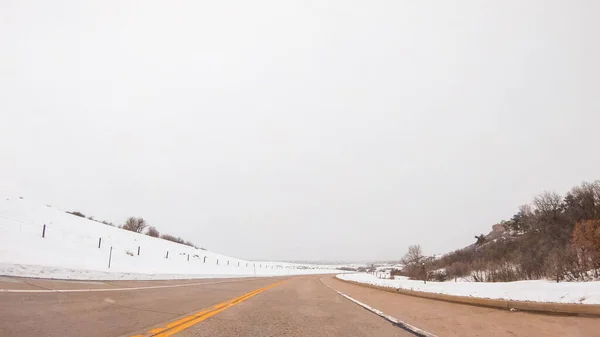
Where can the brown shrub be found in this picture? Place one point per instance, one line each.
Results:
(153, 232)
(135, 224)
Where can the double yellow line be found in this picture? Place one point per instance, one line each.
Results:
(188, 321)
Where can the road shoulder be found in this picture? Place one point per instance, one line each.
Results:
(451, 319)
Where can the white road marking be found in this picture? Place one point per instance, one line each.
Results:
(380, 313)
(110, 289)
(79, 281)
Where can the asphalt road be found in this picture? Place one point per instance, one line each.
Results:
(298, 306)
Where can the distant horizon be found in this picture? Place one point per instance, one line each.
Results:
(312, 261)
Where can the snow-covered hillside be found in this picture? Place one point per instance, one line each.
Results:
(70, 250)
(534, 290)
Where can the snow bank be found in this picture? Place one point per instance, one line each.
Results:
(537, 290)
(70, 250)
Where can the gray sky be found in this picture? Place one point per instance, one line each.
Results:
(325, 130)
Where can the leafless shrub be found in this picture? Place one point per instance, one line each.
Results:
(501, 272)
(177, 239)
(76, 213)
(458, 269)
(153, 232)
(134, 224)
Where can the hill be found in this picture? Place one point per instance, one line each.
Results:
(40, 241)
(554, 237)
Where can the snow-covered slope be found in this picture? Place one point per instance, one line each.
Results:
(534, 290)
(70, 250)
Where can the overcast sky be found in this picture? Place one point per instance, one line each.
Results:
(305, 130)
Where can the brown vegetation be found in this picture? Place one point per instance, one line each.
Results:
(586, 240)
(138, 225)
(76, 213)
(414, 262)
(153, 232)
(554, 237)
(134, 224)
(178, 240)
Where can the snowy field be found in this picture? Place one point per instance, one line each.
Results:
(70, 250)
(537, 290)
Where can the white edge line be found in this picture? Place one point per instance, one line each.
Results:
(110, 289)
(384, 315)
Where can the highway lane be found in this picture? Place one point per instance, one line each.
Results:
(299, 306)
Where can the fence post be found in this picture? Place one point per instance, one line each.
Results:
(217, 261)
(167, 255)
(44, 231)
(204, 260)
(138, 250)
(188, 257)
(238, 263)
(109, 256)
(99, 242)
(227, 262)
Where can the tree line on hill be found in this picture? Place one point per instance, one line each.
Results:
(555, 237)
(138, 225)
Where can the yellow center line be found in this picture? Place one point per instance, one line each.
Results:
(180, 324)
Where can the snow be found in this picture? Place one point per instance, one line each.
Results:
(70, 250)
(532, 290)
(388, 266)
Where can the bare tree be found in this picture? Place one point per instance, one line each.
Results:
(549, 220)
(583, 201)
(548, 203)
(135, 224)
(414, 262)
(414, 256)
(153, 232)
(563, 263)
(522, 221)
